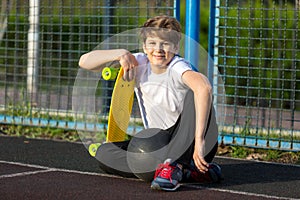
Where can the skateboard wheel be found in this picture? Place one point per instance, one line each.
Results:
(109, 73)
(93, 148)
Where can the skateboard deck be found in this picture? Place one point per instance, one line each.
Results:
(120, 107)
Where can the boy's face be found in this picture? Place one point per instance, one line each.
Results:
(160, 52)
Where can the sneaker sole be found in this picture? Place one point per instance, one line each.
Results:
(156, 186)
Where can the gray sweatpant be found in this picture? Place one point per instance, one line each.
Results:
(139, 156)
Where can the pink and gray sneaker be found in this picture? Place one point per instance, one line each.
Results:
(167, 177)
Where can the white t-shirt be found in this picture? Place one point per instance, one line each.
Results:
(160, 96)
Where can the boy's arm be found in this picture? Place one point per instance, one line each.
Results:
(96, 60)
(203, 100)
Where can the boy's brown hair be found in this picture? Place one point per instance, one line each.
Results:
(164, 27)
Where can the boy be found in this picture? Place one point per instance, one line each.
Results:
(163, 82)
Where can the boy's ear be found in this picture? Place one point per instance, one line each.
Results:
(176, 49)
(144, 47)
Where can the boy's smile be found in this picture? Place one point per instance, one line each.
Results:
(160, 53)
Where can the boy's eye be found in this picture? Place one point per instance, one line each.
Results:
(151, 44)
(163, 44)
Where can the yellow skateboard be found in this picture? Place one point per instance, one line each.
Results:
(120, 107)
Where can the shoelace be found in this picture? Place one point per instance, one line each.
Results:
(165, 171)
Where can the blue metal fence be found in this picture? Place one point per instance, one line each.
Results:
(254, 65)
(255, 46)
(48, 38)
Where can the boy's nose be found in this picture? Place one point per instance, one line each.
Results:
(159, 46)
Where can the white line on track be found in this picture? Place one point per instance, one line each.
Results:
(241, 193)
(260, 161)
(25, 173)
(50, 169)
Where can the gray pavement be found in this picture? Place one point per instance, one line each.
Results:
(46, 169)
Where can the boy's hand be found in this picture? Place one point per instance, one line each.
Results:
(128, 62)
(198, 156)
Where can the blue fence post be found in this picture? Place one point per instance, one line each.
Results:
(192, 31)
(107, 31)
(211, 36)
(212, 41)
(212, 68)
(177, 9)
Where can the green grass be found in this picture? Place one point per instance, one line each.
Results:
(269, 155)
(40, 132)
